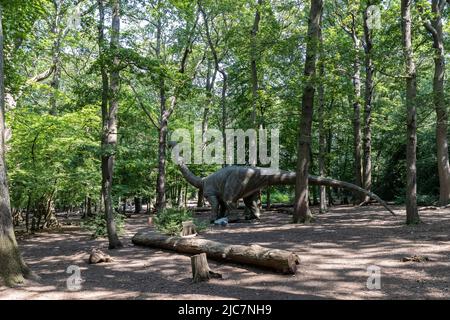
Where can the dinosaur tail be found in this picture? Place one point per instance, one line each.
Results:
(288, 178)
(189, 175)
(342, 184)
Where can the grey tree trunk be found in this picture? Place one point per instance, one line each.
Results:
(301, 206)
(56, 57)
(322, 136)
(160, 204)
(223, 102)
(435, 29)
(253, 67)
(368, 97)
(412, 215)
(109, 134)
(210, 80)
(12, 267)
(357, 115)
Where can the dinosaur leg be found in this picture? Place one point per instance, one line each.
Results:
(222, 209)
(215, 207)
(251, 207)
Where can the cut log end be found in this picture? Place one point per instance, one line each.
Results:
(200, 269)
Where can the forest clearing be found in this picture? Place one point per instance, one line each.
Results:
(232, 149)
(334, 252)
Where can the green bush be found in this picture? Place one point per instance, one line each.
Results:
(97, 225)
(277, 196)
(422, 200)
(169, 221)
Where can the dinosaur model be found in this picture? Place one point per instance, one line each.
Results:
(225, 187)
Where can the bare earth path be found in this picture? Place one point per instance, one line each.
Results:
(335, 252)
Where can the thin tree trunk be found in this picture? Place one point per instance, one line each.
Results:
(12, 267)
(301, 207)
(412, 215)
(160, 204)
(368, 97)
(222, 72)
(56, 58)
(109, 136)
(137, 205)
(357, 117)
(322, 139)
(161, 178)
(435, 29)
(253, 67)
(89, 206)
(210, 80)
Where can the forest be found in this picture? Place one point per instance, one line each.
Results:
(348, 97)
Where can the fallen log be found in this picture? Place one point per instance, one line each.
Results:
(274, 259)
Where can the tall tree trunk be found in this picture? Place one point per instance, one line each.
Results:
(253, 67)
(137, 204)
(322, 137)
(210, 80)
(89, 206)
(368, 97)
(301, 206)
(56, 58)
(12, 267)
(160, 204)
(223, 73)
(435, 29)
(161, 178)
(357, 117)
(412, 215)
(109, 135)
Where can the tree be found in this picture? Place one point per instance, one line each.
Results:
(301, 206)
(434, 27)
(321, 116)
(350, 26)
(12, 267)
(368, 98)
(412, 215)
(109, 132)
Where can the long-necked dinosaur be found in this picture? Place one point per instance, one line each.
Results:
(225, 187)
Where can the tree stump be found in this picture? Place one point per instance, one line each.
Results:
(200, 269)
(188, 229)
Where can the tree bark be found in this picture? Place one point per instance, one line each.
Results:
(109, 135)
(412, 215)
(12, 267)
(368, 97)
(357, 116)
(160, 204)
(56, 58)
(223, 73)
(253, 67)
(201, 270)
(435, 29)
(274, 259)
(301, 206)
(137, 204)
(322, 136)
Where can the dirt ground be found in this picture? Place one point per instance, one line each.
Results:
(335, 252)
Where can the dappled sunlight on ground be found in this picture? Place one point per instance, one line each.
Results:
(335, 251)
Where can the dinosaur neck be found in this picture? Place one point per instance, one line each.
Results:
(189, 176)
(281, 177)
